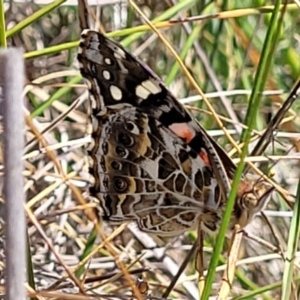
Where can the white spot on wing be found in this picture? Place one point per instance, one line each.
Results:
(107, 61)
(119, 53)
(151, 86)
(115, 92)
(119, 106)
(117, 56)
(106, 74)
(141, 92)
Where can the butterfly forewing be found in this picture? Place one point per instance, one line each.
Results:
(124, 80)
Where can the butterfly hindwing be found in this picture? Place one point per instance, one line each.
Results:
(142, 171)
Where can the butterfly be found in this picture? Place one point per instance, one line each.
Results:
(150, 161)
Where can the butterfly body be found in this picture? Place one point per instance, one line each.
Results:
(150, 161)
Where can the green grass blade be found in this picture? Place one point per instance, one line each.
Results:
(293, 242)
(51, 50)
(30, 267)
(264, 63)
(260, 291)
(2, 25)
(88, 249)
(187, 46)
(223, 229)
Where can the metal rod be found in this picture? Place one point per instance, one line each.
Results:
(12, 80)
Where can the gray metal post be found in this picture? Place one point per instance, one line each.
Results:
(12, 81)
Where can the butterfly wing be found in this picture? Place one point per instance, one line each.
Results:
(170, 172)
(143, 172)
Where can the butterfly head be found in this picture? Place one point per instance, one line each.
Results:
(252, 197)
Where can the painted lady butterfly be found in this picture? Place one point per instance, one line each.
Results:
(150, 160)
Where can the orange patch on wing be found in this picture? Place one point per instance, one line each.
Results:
(183, 131)
(205, 158)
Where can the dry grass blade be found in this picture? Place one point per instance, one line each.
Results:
(44, 236)
(232, 259)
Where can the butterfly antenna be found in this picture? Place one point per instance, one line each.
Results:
(83, 15)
